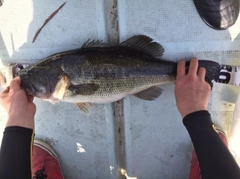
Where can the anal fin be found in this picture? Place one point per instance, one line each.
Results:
(149, 94)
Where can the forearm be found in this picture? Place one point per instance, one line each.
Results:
(22, 121)
(214, 158)
(15, 153)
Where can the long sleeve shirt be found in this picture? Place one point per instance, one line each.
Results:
(214, 158)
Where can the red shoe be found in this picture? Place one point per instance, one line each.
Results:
(45, 163)
(195, 169)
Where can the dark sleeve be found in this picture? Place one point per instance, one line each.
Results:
(15, 153)
(214, 158)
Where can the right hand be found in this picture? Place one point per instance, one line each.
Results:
(191, 90)
(19, 106)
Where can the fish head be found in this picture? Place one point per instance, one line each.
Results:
(40, 81)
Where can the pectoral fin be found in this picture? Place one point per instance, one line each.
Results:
(84, 89)
(150, 94)
(61, 87)
(85, 107)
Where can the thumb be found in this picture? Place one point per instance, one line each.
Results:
(15, 84)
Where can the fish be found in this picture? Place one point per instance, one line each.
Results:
(100, 73)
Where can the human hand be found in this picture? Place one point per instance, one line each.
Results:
(191, 90)
(20, 108)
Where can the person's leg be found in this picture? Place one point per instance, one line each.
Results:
(45, 163)
(194, 169)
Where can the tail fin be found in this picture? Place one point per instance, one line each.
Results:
(212, 70)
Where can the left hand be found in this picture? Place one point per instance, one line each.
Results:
(19, 106)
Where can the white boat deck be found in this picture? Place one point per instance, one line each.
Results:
(148, 140)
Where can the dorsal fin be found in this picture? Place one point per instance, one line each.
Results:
(144, 44)
(94, 43)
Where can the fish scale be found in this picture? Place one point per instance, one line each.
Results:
(96, 73)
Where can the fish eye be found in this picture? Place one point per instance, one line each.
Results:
(30, 73)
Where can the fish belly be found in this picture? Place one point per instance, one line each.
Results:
(114, 90)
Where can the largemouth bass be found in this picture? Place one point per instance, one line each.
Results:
(97, 73)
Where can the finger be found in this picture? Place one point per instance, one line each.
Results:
(193, 67)
(181, 69)
(15, 84)
(6, 90)
(202, 73)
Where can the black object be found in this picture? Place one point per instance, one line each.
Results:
(218, 14)
(1, 2)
